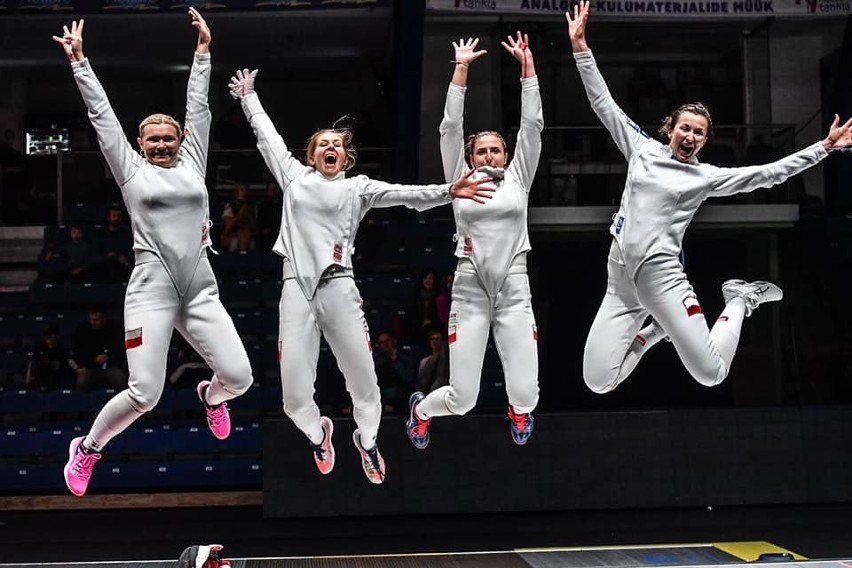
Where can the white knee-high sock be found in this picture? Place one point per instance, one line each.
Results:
(435, 404)
(726, 331)
(647, 337)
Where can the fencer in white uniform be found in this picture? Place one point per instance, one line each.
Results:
(321, 211)
(172, 285)
(491, 289)
(665, 186)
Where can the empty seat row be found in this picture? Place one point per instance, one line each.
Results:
(187, 437)
(230, 472)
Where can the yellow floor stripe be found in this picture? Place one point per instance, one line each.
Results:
(749, 551)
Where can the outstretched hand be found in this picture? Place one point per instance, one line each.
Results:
(198, 22)
(577, 25)
(839, 135)
(465, 51)
(72, 40)
(242, 83)
(476, 190)
(517, 47)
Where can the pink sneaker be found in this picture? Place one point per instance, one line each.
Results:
(324, 451)
(217, 416)
(78, 470)
(371, 460)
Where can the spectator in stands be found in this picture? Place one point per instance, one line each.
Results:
(80, 257)
(116, 247)
(491, 288)
(186, 367)
(665, 186)
(269, 217)
(395, 371)
(421, 313)
(98, 353)
(240, 221)
(444, 299)
(172, 285)
(49, 363)
(50, 263)
(434, 369)
(321, 212)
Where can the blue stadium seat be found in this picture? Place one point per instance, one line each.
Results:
(53, 442)
(236, 264)
(66, 401)
(22, 401)
(192, 439)
(243, 438)
(242, 293)
(32, 477)
(18, 441)
(96, 399)
(154, 439)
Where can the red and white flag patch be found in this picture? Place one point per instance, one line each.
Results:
(133, 338)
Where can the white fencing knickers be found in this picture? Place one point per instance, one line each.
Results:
(335, 311)
(152, 309)
(661, 290)
(509, 313)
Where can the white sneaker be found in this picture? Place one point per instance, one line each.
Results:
(752, 293)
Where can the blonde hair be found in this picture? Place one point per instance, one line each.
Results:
(471, 142)
(670, 121)
(345, 135)
(160, 119)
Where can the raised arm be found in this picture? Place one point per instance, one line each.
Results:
(280, 161)
(626, 134)
(452, 125)
(528, 145)
(198, 117)
(728, 181)
(381, 194)
(117, 151)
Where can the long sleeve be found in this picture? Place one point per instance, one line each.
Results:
(119, 155)
(728, 181)
(376, 193)
(198, 116)
(626, 133)
(528, 145)
(452, 133)
(280, 161)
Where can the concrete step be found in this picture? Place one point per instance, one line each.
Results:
(35, 232)
(17, 278)
(20, 252)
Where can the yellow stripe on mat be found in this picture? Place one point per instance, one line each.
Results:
(749, 551)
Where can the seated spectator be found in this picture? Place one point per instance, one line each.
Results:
(444, 300)
(116, 247)
(434, 369)
(98, 355)
(269, 217)
(187, 367)
(49, 363)
(422, 310)
(80, 257)
(395, 371)
(240, 220)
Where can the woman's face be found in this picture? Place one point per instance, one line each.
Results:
(329, 154)
(429, 281)
(160, 144)
(688, 136)
(488, 150)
